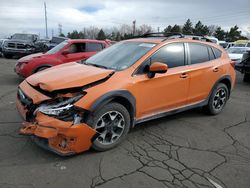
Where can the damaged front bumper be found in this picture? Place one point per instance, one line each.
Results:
(57, 135)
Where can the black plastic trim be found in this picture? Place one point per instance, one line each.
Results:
(104, 99)
(168, 113)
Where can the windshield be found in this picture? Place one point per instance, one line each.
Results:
(121, 55)
(57, 48)
(23, 37)
(57, 40)
(236, 50)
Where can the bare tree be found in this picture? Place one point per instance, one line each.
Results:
(91, 32)
(212, 29)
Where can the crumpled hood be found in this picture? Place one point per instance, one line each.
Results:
(67, 75)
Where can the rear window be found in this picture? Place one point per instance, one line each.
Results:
(198, 53)
(217, 53)
(94, 47)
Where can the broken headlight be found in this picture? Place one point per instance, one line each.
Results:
(58, 108)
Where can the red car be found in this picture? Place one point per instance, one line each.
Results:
(67, 51)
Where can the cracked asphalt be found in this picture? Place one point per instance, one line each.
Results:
(190, 149)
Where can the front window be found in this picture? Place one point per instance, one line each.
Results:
(57, 48)
(120, 56)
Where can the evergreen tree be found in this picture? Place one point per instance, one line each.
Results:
(188, 28)
(176, 29)
(101, 35)
(167, 29)
(220, 33)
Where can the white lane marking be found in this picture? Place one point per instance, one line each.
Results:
(214, 183)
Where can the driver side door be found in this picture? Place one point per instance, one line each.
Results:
(164, 92)
(76, 52)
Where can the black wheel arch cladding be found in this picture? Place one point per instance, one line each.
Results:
(123, 97)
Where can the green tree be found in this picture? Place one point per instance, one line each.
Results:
(220, 33)
(61, 35)
(233, 34)
(167, 29)
(101, 35)
(176, 29)
(187, 28)
(76, 35)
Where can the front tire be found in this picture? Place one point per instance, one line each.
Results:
(112, 122)
(217, 99)
(8, 56)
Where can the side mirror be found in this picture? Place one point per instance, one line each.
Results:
(65, 52)
(157, 67)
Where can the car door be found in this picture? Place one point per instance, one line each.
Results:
(76, 52)
(203, 70)
(92, 48)
(166, 91)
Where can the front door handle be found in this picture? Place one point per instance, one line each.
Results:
(216, 69)
(184, 75)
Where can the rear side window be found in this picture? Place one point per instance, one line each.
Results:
(172, 55)
(94, 47)
(211, 53)
(217, 53)
(198, 53)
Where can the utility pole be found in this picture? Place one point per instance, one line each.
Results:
(59, 29)
(45, 14)
(158, 29)
(134, 22)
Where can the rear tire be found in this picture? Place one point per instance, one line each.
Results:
(217, 99)
(112, 122)
(246, 77)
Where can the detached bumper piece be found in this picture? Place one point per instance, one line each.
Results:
(58, 136)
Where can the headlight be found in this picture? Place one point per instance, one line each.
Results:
(59, 108)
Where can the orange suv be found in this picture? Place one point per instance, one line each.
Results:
(71, 107)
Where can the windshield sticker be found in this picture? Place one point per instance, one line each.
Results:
(148, 45)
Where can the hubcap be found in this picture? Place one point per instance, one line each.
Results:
(220, 99)
(110, 126)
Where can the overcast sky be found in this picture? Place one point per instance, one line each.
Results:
(28, 15)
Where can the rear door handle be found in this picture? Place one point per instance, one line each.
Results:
(216, 69)
(184, 75)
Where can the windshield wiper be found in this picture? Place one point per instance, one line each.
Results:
(95, 65)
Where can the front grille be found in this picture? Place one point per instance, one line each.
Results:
(20, 46)
(11, 45)
(16, 45)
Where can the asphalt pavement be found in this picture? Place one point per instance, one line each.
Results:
(190, 149)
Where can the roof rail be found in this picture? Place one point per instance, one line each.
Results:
(172, 35)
